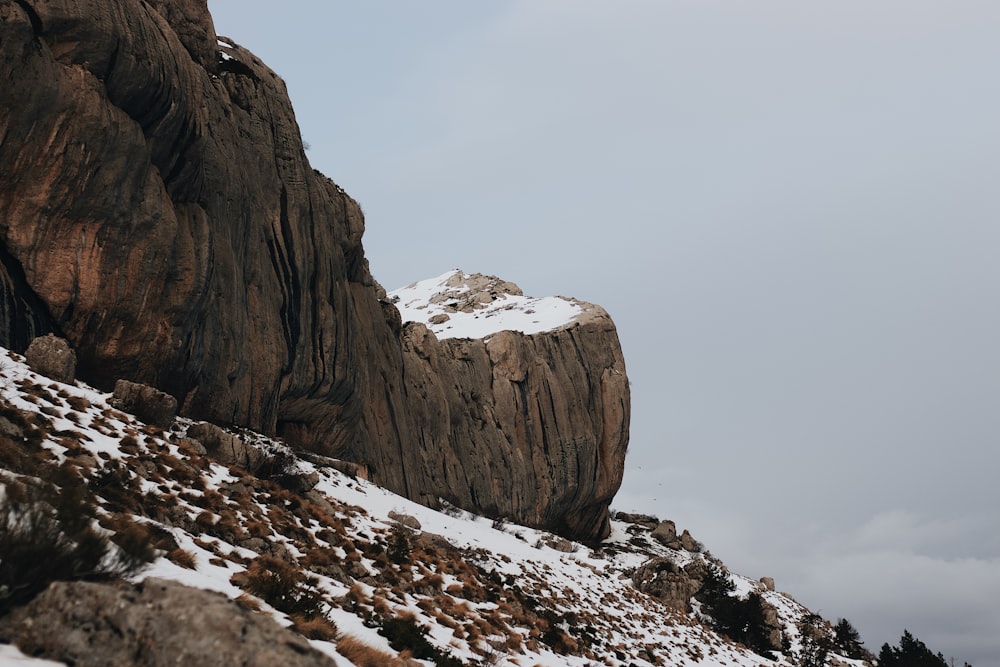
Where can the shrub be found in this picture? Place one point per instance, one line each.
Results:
(47, 534)
(405, 634)
(282, 586)
(315, 627)
(183, 558)
(277, 465)
(398, 550)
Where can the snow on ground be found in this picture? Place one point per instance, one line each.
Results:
(10, 656)
(457, 305)
(586, 594)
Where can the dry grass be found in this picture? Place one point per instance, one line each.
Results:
(316, 627)
(205, 520)
(248, 602)
(183, 558)
(364, 655)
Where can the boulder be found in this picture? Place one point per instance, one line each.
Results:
(688, 543)
(299, 481)
(156, 623)
(673, 585)
(226, 448)
(772, 624)
(645, 520)
(768, 583)
(407, 520)
(147, 403)
(558, 544)
(665, 532)
(52, 357)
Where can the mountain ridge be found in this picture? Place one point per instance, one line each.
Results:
(480, 591)
(157, 210)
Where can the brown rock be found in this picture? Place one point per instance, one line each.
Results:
(665, 532)
(199, 253)
(768, 583)
(531, 428)
(407, 520)
(674, 585)
(225, 447)
(647, 521)
(147, 403)
(558, 544)
(688, 543)
(301, 482)
(52, 357)
(773, 625)
(153, 624)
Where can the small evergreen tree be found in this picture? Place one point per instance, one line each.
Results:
(911, 653)
(888, 656)
(740, 620)
(816, 642)
(847, 640)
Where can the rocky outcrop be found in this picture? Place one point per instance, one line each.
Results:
(147, 403)
(672, 584)
(225, 447)
(153, 624)
(157, 209)
(524, 427)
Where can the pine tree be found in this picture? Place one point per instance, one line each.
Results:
(911, 653)
(740, 620)
(848, 640)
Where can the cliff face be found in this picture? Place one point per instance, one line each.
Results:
(157, 209)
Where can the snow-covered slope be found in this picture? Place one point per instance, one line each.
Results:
(458, 305)
(485, 592)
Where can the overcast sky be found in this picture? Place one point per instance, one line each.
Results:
(791, 210)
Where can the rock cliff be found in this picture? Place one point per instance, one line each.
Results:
(157, 209)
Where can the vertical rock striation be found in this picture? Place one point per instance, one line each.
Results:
(157, 209)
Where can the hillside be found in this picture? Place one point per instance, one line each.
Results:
(450, 587)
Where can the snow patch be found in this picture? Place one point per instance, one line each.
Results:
(458, 305)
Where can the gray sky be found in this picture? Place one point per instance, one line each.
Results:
(791, 210)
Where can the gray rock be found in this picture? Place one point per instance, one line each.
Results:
(10, 429)
(688, 543)
(645, 520)
(559, 544)
(147, 403)
(302, 482)
(674, 585)
(665, 532)
(407, 520)
(225, 447)
(52, 357)
(156, 623)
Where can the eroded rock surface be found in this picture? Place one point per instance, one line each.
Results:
(157, 209)
(674, 585)
(52, 357)
(153, 624)
(147, 403)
